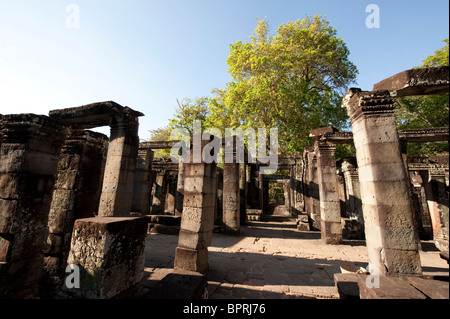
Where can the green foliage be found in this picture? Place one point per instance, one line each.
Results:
(161, 134)
(188, 111)
(426, 111)
(293, 81)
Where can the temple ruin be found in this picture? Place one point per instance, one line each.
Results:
(71, 196)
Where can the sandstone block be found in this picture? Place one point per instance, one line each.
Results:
(110, 254)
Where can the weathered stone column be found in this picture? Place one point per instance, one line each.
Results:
(76, 195)
(353, 198)
(438, 202)
(231, 193)
(330, 210)
(312, 184)
(180, 189)
(159, 192)
(28, 163)
(353, 194)
(197, 220)
(243, 193)
(389, 228)
(171, 192)
(118, 182)
(143, 182)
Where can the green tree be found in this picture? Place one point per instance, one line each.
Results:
(189, 111)
(293, 81)
(161, 134)
(426, 111)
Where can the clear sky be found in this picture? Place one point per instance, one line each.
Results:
(145, 54)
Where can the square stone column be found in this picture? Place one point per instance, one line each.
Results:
(179, 197)
(243, 193)
(330, 209)
(197, 220)
(28, 165)
(118, 182)
(159, 189)
(312, 189)
(353, 194)
(438, 203)
(143, 182)
(231, 192)
(388, 216)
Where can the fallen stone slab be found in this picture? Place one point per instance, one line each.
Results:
(388, 288)
(433, 289)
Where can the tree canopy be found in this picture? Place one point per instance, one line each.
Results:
(292, 81)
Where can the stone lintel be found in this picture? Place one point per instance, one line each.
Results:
(425, 81)
(157, 145)
(432, 134)
(92, 115)
(319, 132)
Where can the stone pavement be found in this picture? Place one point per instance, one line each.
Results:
(272, 260)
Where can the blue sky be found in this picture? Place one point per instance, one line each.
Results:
(146, 54)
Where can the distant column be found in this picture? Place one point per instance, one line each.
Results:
(389, 227)
(438, 203)
(143, 182)
(231, 192)
(180, 189)
(28, 164)
(330, 210)
(313, 204)
(353, 195)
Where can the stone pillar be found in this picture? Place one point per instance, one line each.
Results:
(76, 195)
(159, 192)
(243, 193)
(231, 192)
(118, 182)
(330, 210)
(260, 191)
(438, 201)
(197, 221)
(287, 196)
(28, 165)
(143, 182)
(420, 205)
(355, 229)
(353, 193)
(297, 186)
(312, 184)
(171, 191)
(180, 189)
(389, 227)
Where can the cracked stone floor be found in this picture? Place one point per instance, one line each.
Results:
(272, 260)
